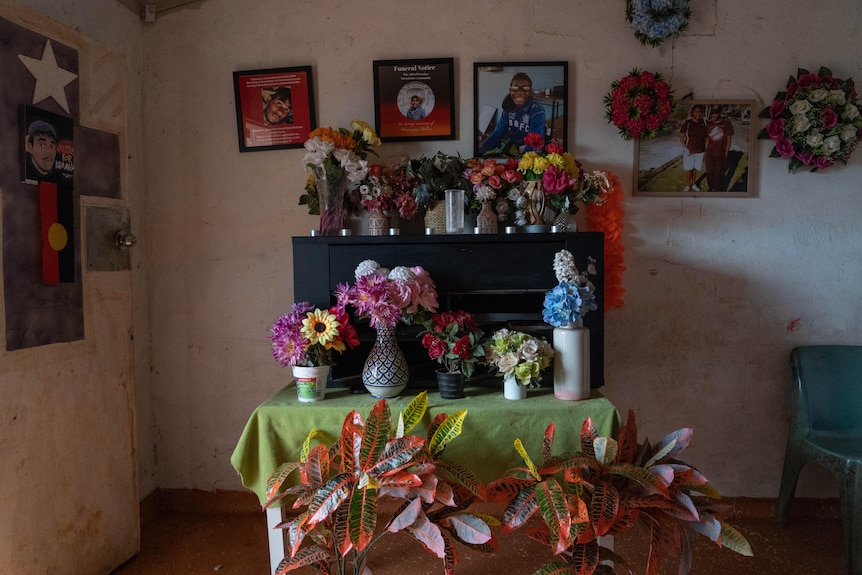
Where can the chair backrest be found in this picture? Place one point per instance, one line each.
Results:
(828, 386)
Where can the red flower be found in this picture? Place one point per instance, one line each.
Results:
(462, 347)
(534, 140)
(436, 347)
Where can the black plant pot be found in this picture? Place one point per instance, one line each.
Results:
(451, 385)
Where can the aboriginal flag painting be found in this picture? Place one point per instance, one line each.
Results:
(56, 207)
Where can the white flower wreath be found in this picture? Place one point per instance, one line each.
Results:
(653, 21)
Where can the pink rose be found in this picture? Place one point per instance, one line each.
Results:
(805, 158)
(556, 180)
(777, 108)
(775, 129)
(495, 182)
(828, 117)
(511, 176)
(821, 162)
(807, 80)
(784, 147)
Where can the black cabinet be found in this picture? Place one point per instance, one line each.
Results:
(500, 279)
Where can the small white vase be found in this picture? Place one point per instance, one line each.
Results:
(511, 388)
(572, 362)
(311, 382)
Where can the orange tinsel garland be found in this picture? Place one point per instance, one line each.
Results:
(607, 217)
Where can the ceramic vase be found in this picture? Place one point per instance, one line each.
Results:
(311, 382)
(486, 221)
(511, 388)
(378, 223)
(450, 385)
(385, 373)
(330, 193)
(572, 362)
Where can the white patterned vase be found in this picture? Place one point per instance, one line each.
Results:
(385, 373)
(572, 362)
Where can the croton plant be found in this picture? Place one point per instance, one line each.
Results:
(604, 488)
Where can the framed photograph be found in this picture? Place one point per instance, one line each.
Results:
(512, 99)
(705, 152)
(47, 147)
(274, 108)
(414, 99)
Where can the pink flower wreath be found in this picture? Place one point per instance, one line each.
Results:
(639, 105)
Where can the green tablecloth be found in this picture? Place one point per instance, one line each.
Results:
(275, 431)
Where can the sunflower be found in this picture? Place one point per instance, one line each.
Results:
(321, 327)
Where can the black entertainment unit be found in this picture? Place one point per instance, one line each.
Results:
(500, 279)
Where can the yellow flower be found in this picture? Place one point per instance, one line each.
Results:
(320, 326)
(368, 133)
(571, 166)
(556, 160)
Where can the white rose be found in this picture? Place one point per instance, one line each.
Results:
(837, 97)
(799, 107)
(831, 145)
(507, 362)
(848, 133)
(800, 123)
(851, 112)
(529, 350)
(817, 95)
(814, 139)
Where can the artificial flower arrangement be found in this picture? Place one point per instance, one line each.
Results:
(307, 336)
(492, 181)
(815, 122)
(389, 187)
(338, 157)
(518, 355)
(639, 104)
(654, 21)
(435, 174)
(386, 297)
(573, 296)
(454, 340)
(559, 172)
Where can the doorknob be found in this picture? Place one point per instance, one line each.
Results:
(125, 240)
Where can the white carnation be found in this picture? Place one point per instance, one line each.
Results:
(401, 273)
(366, 268)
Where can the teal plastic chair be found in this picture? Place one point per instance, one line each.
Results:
(826, 429)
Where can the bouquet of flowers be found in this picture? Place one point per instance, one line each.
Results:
(639, 104)
(389, 187)
(654, 21)
(454, 340)
(573, 296)
(387, 297)
(334, 160)
(559, 172)
(435, 174)
(816, 122)
(307, 335)
(518, 355)
(490, 181)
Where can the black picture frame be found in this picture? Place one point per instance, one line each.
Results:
(659, 168)
(429, 82)
(262, 121)
(492, 99)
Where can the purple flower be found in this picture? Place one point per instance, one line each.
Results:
(828, 117)
(784, 147)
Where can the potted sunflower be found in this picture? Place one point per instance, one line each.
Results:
(304, 339)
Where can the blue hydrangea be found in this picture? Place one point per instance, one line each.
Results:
(655, 20)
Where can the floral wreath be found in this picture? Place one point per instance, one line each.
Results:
(816, 122)
(654, 21)
(639, 104)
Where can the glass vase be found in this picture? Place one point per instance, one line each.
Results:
(330, 193)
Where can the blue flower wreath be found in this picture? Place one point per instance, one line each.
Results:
(656, 20)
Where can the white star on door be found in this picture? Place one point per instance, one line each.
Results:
(51, 80)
